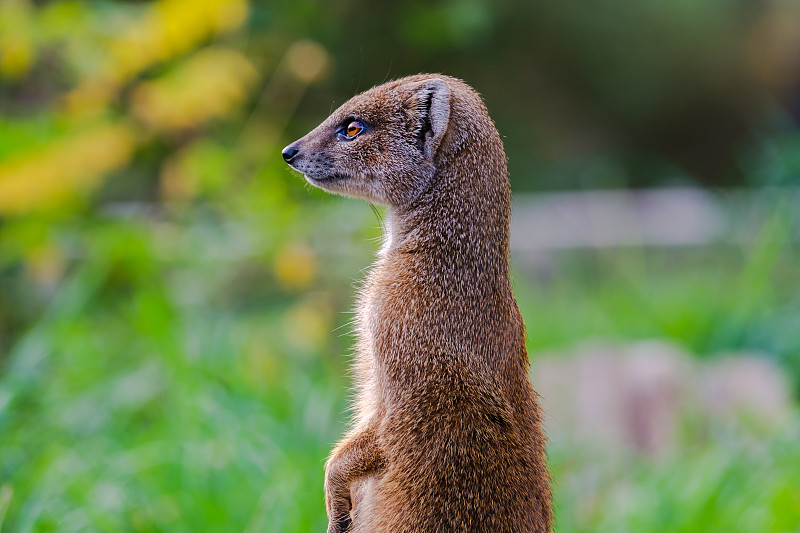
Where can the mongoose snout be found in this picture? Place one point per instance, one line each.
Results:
(447, 433)
(289, 153)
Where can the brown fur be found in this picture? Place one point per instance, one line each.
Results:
(447, 435)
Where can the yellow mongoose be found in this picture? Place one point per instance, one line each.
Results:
(447, 435)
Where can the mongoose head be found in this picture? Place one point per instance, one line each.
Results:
(381, 145)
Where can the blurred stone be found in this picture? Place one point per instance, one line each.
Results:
(640, 397)
(746, 389)
(657, 381)
(600, 219)
(668, 217)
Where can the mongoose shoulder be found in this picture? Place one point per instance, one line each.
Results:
(447, 433)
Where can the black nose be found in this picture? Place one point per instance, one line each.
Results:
(289, 153)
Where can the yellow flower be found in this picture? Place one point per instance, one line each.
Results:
(295, 266)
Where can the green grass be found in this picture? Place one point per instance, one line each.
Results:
(702, 299)
(722, 486)
(127, 412)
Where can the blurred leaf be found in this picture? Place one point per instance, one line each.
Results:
(65, 168)
(16, 46)
(210, 84)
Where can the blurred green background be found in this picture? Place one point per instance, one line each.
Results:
(174, 302)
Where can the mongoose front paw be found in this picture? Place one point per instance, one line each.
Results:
(337, 503)
(338, 512)
(340, 524)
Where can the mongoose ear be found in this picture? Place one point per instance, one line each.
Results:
(429, 104)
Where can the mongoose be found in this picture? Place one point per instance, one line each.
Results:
(447, 433)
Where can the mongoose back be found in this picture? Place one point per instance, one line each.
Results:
(447, 433)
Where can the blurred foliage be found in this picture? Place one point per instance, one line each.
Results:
(168, 288)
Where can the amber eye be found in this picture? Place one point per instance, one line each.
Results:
(353, 129)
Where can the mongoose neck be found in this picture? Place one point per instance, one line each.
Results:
(462, 219)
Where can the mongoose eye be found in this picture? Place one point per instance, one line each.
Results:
(352, 129)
